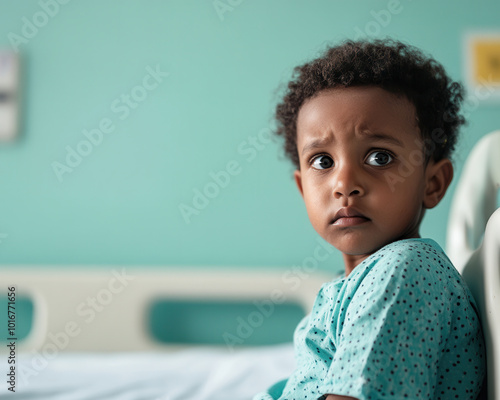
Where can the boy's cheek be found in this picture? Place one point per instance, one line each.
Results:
(397, 180)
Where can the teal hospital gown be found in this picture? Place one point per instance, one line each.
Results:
(402, 325)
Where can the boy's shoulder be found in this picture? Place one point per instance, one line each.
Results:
(417, 251)
(410, 268)
(411, 265)
(409, 260)
(412, 246)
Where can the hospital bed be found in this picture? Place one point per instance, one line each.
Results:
(91, 335)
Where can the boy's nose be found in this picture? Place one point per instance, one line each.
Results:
(347, 184)
(348, 193)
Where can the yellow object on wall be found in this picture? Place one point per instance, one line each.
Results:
(486, 63)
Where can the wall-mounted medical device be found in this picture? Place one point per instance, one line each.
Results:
(9, 95)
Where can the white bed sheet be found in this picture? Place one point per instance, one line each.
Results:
(201, 374)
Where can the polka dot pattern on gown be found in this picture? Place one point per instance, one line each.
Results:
(402, 325)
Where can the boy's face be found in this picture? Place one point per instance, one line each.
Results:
(361, 154)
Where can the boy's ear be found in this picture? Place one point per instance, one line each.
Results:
(438, 178)
(298, 181)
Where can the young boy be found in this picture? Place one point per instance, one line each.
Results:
(370, 127)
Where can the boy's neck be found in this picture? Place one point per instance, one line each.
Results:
(353, 260)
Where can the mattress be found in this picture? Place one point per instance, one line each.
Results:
(200, 373)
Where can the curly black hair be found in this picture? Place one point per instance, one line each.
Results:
(392, 65)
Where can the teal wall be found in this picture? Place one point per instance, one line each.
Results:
(120, 205)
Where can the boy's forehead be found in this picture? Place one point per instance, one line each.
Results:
(362, 108)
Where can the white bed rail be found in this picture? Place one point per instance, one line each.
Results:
(104, 308)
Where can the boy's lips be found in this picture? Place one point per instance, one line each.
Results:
(348, 216)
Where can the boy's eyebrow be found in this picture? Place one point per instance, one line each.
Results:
(380, 137)
(315, 144)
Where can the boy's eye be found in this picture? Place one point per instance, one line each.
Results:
(322, 162)
(379, 158)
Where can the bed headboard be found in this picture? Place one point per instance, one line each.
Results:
(104, 308)
(473, 244)
(475, 199)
